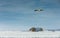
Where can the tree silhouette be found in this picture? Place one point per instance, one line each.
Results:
(33, 29)
(41, 29)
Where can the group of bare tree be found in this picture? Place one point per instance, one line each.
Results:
(33, 29)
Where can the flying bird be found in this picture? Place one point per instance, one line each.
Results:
(38, 10)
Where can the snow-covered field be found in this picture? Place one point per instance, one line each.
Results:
(18, 34)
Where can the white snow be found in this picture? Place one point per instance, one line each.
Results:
(18, 34)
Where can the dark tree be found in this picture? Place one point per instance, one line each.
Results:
(41, 29)
(33, 29)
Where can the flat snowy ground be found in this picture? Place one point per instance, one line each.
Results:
(18, 34)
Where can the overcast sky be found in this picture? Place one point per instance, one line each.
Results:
(20, 14)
